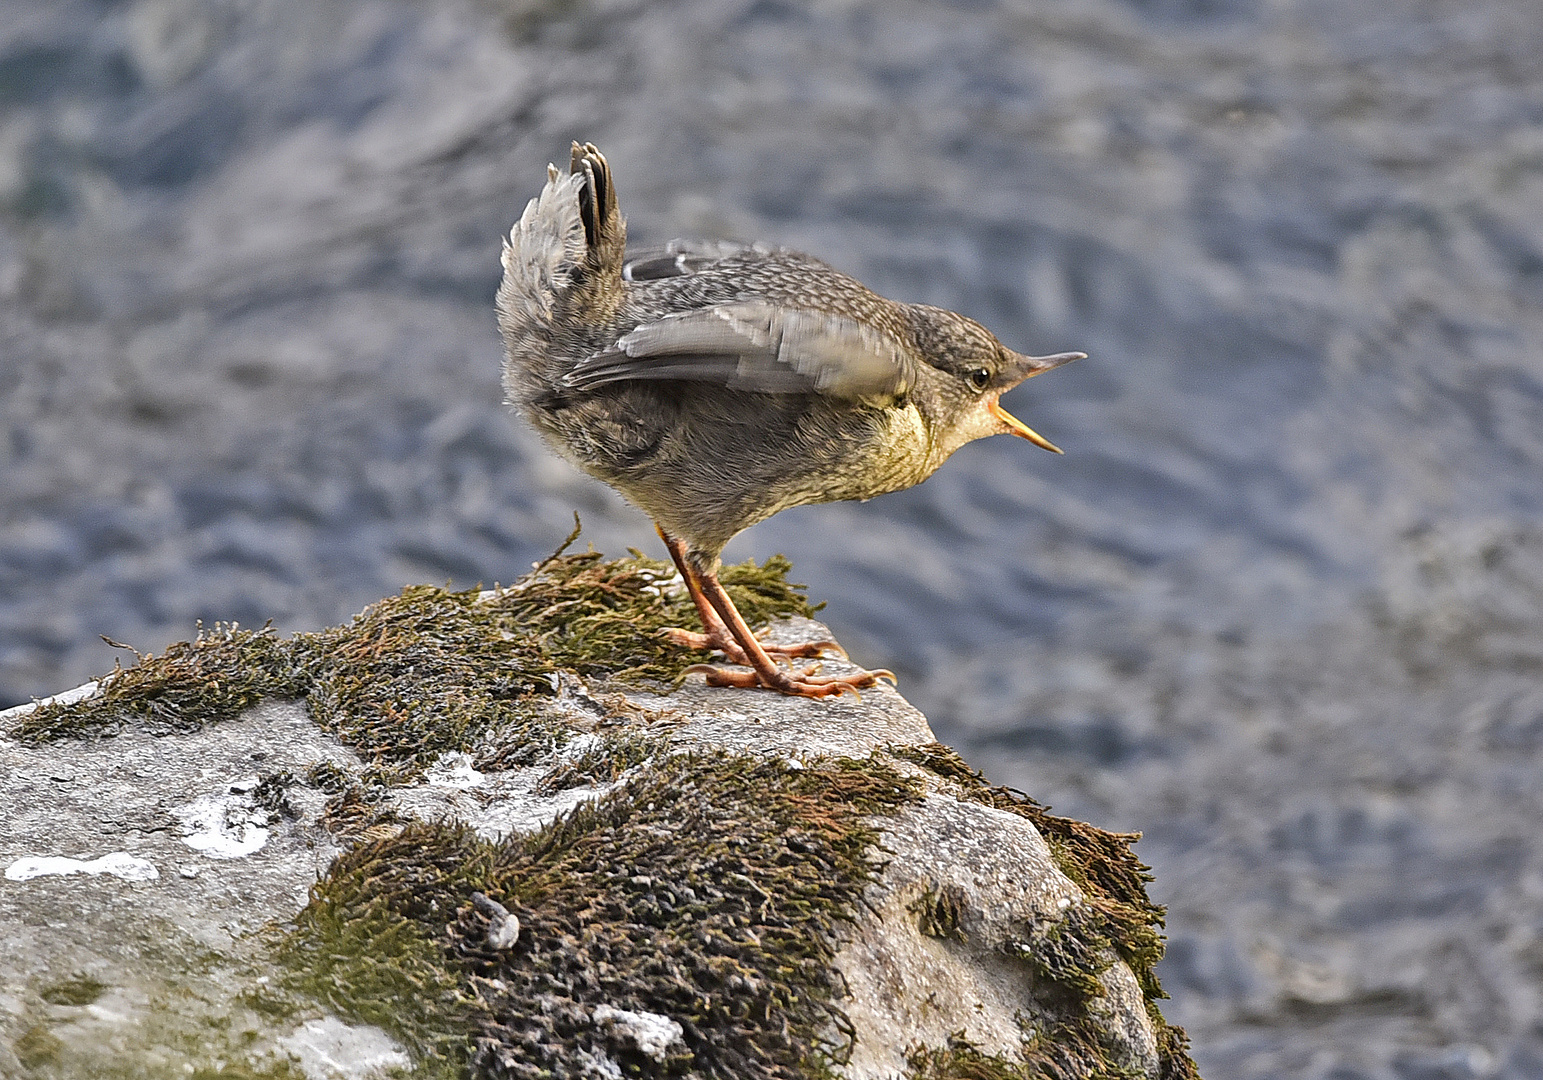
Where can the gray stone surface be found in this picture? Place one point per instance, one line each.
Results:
(172, 935)
(843, 726)
(909, 988)
(139, 872)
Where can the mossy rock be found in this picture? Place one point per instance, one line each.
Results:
(701, 908)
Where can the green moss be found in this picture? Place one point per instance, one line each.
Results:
(77, 990)
(1069, 953)
(37, 1047)
(431, 670)
(710, 888)
(369, 942)
(220, 672)
(603, 763)
(272, 1070)
(1070, 1051)
(1116, 914)
(940, 913)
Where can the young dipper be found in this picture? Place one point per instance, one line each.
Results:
(714, 384)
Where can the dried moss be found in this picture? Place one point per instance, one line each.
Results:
(220, 672)
(1116, 915)
(710, 888)
(1071, 1051)
(603, 763)
(940, 913)
(431, 670)
(76, 990)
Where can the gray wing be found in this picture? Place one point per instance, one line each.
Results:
(683, 258)
(761, 347)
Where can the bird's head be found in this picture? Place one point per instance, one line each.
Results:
(967, 372)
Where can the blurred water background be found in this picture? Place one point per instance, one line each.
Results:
(1280, 606)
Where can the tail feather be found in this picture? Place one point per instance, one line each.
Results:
(562, 273)
(604, 229)
(543, 249)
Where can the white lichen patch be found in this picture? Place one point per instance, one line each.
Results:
(119, 864)
(504, 802)
(227, 825)
(453, 770)
(652, 1033)
(328, 1049)
(578, 746)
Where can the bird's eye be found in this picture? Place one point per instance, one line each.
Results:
(979, 378)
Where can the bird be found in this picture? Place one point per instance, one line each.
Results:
(715, 383)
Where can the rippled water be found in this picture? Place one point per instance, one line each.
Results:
(1281, 604)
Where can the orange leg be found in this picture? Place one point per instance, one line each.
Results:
(727, 632)
(765, 671)
(717, 635)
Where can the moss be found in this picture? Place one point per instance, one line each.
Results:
(431, 670)
(77, 990)
(1116, 914)
(1069, 1051)
(604, 763)
(356, 813)
(37, 1047)
(220, 672)
(272, 1070)
(711, 888)
(1069, 953)
(1173, 1051)
(940, 913)
(368, 943)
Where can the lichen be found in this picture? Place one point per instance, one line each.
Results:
(711, 888)
(1116, 917)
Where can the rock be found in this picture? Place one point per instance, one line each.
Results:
(607, 881)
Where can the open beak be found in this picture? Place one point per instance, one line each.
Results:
(1021, 429)
(1026, 368)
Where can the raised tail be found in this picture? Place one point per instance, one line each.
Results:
(605, 232)
(562, 265)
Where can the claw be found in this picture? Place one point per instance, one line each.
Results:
(726, 632)
(686, 639)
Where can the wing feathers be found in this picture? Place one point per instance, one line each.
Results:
(760, 347)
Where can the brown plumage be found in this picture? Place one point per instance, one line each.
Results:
(714, 384)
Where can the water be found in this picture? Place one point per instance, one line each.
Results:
(1280, 606)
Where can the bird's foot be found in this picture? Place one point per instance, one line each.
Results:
(793, 683)
(690, 639)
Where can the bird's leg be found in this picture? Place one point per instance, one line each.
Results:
(765, 671)
(717, 635)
